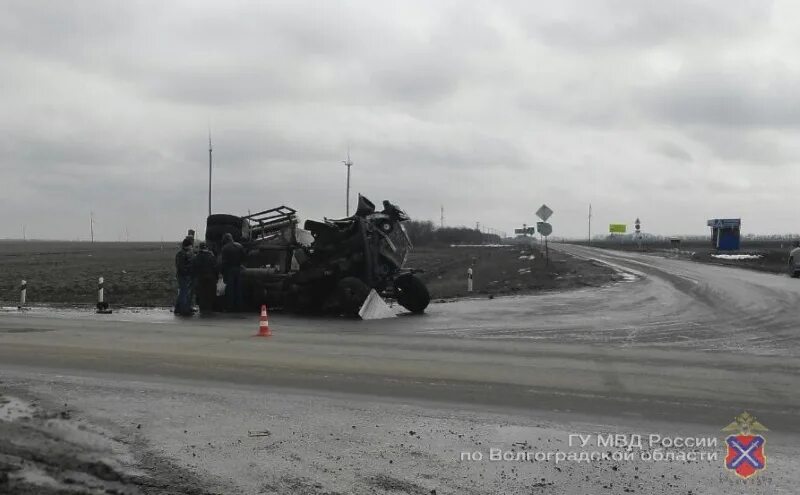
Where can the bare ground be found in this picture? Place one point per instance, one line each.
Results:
(46, 450)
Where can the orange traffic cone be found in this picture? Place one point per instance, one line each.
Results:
(263, 325)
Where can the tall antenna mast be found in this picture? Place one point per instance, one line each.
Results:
(209, 171)
(348, 164)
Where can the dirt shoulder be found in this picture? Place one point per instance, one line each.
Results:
(46, 449)
(505, 270)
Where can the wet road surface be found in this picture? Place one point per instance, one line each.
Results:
(679, 347)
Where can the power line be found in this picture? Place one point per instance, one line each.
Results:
(348, 164)
(209, 171)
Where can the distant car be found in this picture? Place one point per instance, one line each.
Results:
(794, 263)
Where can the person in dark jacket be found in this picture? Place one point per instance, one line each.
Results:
(183, 272)
(205, 275)
(232, 258)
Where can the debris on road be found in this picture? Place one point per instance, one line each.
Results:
(264, 433)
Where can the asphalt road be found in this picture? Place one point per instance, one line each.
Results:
(679, 347)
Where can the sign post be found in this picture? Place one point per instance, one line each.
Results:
(525, 231)
(23, 294)
(618, 228)
(544, 212)
(545, 229)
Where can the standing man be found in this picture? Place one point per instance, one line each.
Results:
(183, 272)
(205, 273)
(232, 258)
(192, 288)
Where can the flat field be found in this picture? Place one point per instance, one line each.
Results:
(142, 274)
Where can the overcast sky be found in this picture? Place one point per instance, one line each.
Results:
(674, 112)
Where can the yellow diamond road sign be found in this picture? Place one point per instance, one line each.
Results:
(544, 212)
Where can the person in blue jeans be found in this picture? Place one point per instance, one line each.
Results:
(232, 258)
(183, 272)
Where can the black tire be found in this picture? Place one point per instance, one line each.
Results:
(223, 219)
(216, 232)
(351, 293)
(412, 293)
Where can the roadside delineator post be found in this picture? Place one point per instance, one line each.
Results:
(263, 324)
(469, 279)
(23, 294)
(102, 305)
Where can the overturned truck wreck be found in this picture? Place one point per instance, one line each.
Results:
(327, 267)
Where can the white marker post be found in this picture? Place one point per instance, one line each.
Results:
(23, 294)
(469, 279)
(102, 305)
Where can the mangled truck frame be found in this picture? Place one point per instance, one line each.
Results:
(329, 266)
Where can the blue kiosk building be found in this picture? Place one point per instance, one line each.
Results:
(725, 233)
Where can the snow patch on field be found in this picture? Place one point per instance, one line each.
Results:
(737, 256)
(12, 409)
(478, 245)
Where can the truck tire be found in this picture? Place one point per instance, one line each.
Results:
(223, 219)
(412, 293)
(351, 293)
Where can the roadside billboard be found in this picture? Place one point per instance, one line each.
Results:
(617, 228)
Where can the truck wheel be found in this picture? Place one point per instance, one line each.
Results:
(386, 226)
(351, 293)
(412, 293)
(223, 219)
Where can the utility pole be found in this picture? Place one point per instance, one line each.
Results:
(441, 218)
(24, 236)
(348, 164)
(209, 171)
(590, 224)
(91, 226)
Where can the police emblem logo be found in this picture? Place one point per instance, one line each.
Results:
(745, 454)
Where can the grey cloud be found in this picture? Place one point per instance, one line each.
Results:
(618, 23)
(485, 107)
(672, 151)
(753, 147)
(742, 98)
